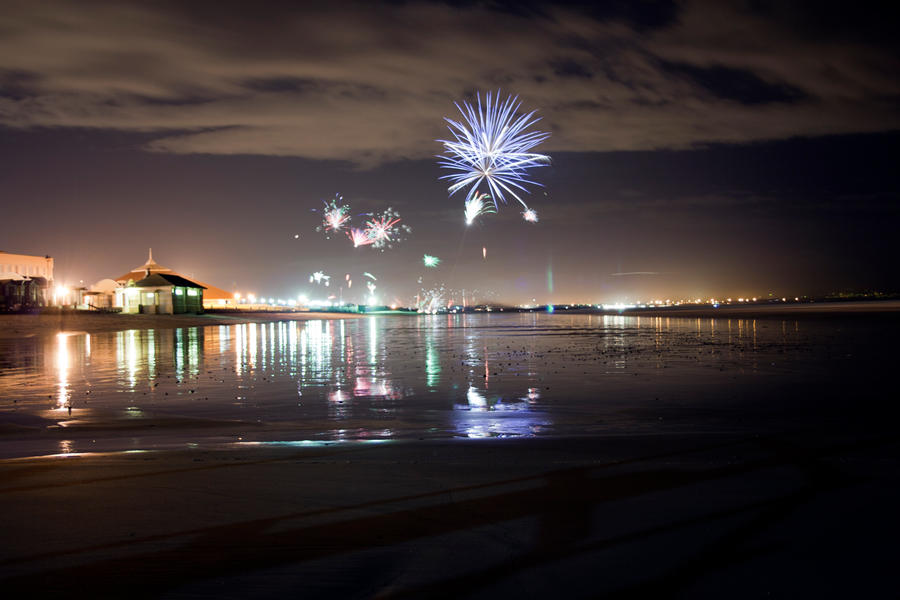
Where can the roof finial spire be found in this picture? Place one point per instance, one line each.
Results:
(150, 257)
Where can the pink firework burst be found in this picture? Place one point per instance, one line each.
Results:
(380, 229)
(385, 229)
(335, 218)
(359, 237)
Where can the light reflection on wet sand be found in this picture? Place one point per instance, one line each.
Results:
(436, 376)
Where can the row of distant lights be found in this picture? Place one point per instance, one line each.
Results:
(302, 300)
(655, 303)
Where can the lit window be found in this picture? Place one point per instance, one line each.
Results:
(178, 291)
(192, 292)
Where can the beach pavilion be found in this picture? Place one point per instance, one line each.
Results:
(161, 293)
(148, 268)
(155, 289)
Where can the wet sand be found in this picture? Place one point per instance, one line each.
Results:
(805, 515)
(14, 326)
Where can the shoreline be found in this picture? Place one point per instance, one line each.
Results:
(753, 311)
(31, 325)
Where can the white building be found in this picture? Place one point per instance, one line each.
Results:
(25, 265)
(24, 281)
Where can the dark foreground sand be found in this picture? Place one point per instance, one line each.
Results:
(14, 326)
(803, 515)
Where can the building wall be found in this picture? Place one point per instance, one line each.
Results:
(24, 264)
(160, 300)
(187, 300)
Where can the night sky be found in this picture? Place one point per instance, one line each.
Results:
(699, 148)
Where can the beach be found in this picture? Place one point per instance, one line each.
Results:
(642, 516)
(26, 325)
(457, 456)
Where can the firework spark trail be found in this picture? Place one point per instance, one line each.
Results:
(431, 261)
(492, 145)
(530, 215)
(475, 207)
(359, 237)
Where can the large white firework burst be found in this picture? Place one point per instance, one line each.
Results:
(492, 145)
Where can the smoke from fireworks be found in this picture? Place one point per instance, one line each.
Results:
(430, 301)
(492, 145)
(475, 207)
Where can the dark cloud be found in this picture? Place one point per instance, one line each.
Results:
(739, 85)
(570, 68)
(369, 83)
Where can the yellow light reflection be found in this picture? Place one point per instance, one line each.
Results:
(240, 346)
(62, 369)
(151, 353)
(131, 356)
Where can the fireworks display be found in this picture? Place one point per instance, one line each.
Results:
(431, 261)
(432, 300)
(385, 229)
(382, 230)
(335, 216)
(359, 237)
(492, 146)
(319, 277)
(476, 206)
